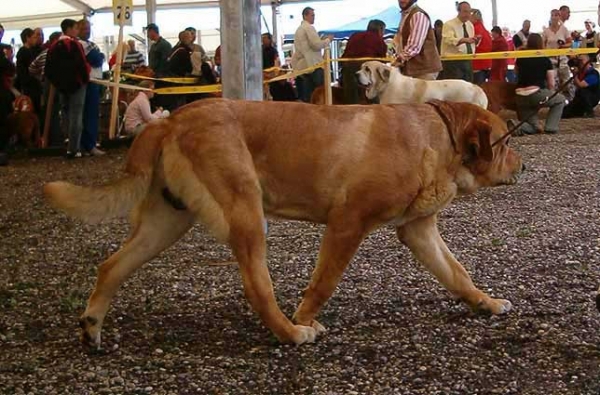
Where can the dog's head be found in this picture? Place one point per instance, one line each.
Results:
(375, 77)
(474, 131)
(23, 104)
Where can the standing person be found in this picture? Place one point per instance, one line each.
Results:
(438, 26)
(481, 67)
(68, 70)
(180, 61)
(279, 90)
(499, 66)
(25, 82)
(36, 69)
(367, 44)
(520, 39)
(7, 72)
(197, 48)
(591, 39)
(417, 53)
(557, 36)
(91, 111)
(307, 53)
(458, 37)
(38, 32)
(535, 84)
(133, 58)
(565, 13)
(159, 51)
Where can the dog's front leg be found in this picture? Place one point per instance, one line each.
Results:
(340, 242)
(424, 240)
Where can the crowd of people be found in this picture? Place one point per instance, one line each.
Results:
(420, 46)
(69, 59)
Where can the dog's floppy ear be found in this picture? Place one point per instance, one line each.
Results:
(466, 130)
(478, 141)
(384, 73)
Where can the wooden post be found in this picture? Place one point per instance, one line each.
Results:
(114, 110)
(241, 49)
(327, 71)
(48, 118)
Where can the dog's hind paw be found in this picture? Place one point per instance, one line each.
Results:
(90, 332)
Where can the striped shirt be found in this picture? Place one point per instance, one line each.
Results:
(133, 60)
(36, 68)
(419, 26)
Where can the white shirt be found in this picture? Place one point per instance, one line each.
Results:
(452, 33)
(307, 47)
(551, 38)
(138, 113)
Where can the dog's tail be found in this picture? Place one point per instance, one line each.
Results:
(118, 198)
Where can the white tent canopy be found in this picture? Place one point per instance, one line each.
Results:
(19, 13)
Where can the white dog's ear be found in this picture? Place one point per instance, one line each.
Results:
(384, 73)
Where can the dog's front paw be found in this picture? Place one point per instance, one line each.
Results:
(90, 332)
(303, 334)
(495, 306)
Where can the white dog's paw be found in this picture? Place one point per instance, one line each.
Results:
(304, 334)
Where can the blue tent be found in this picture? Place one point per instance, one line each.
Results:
(391, 17)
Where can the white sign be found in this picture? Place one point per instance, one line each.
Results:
(123, 9)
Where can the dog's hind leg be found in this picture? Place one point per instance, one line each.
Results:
(156, 225)
(342, 238)
(424, 240)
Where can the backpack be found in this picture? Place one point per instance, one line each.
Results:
(66, 67)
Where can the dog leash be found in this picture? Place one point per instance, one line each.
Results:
(546, 100)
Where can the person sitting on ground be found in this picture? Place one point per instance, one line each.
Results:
(139, 113)
(587, 89)
(535, 89)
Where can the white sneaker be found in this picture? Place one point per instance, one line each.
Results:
(97, 152)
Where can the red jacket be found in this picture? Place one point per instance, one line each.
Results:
(499, 66)
(485, 45)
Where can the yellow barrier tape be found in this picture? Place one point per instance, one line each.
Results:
(528, 53)
(121, 86)
(177, 80)
(182, 90)
(294, 74)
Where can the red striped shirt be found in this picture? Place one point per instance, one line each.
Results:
(419, 26)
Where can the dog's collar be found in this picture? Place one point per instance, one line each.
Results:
(447, 122)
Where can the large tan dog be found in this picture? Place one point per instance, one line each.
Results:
(355, 168)
(391, 86)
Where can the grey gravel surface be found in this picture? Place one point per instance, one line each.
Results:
(181, 324)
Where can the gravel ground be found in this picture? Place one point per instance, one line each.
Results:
(182, 326)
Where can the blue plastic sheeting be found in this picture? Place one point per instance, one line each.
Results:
(391, 17)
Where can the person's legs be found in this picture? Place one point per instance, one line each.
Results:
(300, 86)
(313, 80)
(556, 105)
(350, 84)
(588, 100)
(528, 111)
(89, 136)
(74, 107)
(451, 70)
(427, 76)
(467, 68)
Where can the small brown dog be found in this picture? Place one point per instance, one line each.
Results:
(501, 95)
(337, 95)
(23, 123)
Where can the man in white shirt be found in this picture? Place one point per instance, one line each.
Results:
(458, 37)
(307, 53)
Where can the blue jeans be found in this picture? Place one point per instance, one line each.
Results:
(72, 105)
(91, 116)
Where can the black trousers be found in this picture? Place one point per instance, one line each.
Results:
(583, 103)
(457, 70)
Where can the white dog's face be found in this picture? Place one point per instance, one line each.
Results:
(375, 76)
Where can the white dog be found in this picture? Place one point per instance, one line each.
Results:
(392, 87)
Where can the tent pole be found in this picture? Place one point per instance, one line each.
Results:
(494, 13)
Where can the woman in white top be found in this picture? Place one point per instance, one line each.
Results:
(138, 112)
(556, 36)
